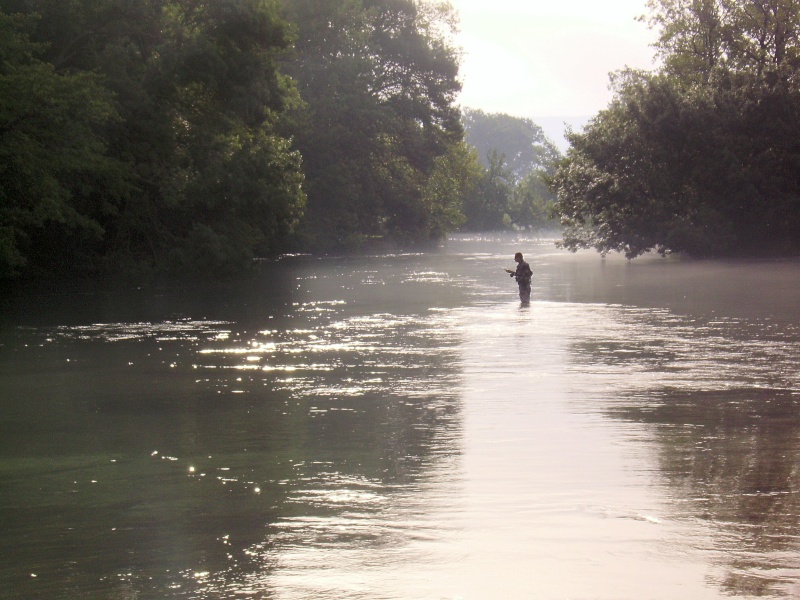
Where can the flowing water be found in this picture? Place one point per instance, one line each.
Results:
(398, 426)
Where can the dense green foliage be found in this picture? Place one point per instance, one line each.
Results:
(701, 157)
(155, 125)
(190, 136)
(380, 132)
(52, 153)
(518, 160)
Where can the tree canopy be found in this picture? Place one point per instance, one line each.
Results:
(521, 142)
(52, 150)
(190, 136)
(154, 124)
(701, 156)
(518, 160)
(379, 81)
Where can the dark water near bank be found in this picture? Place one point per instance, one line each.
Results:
(397, 427)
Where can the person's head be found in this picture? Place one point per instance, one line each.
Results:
(518, 257)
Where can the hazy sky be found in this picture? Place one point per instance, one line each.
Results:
(545, 58)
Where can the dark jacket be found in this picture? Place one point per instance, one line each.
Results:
(523, 273)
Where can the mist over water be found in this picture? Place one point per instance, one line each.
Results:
(399, 427)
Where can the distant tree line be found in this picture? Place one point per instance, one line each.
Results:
(518, 160)
(701, 156)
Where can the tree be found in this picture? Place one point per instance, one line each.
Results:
(532, 204)
(625, 185)
(455, 176)
(765, 38)
(691, 36)
(487, 208)
(701, 157)
(698, 38)
(199, 96)
(57, 181)
(192, 132)
(379, 79)
(518, 158)
(521, 141)
(234, 188)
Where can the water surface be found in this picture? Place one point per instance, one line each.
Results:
(399, 427)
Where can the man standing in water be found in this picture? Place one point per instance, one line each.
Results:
(523, 275)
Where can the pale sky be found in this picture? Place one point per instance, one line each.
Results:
(548, 58)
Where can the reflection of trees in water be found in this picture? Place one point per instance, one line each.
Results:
(732, 458)
(717, 391)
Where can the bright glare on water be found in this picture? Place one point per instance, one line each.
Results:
(398, 426)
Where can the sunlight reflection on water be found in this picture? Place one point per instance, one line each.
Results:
(398, 427)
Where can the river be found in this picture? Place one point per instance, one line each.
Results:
(398, 426)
